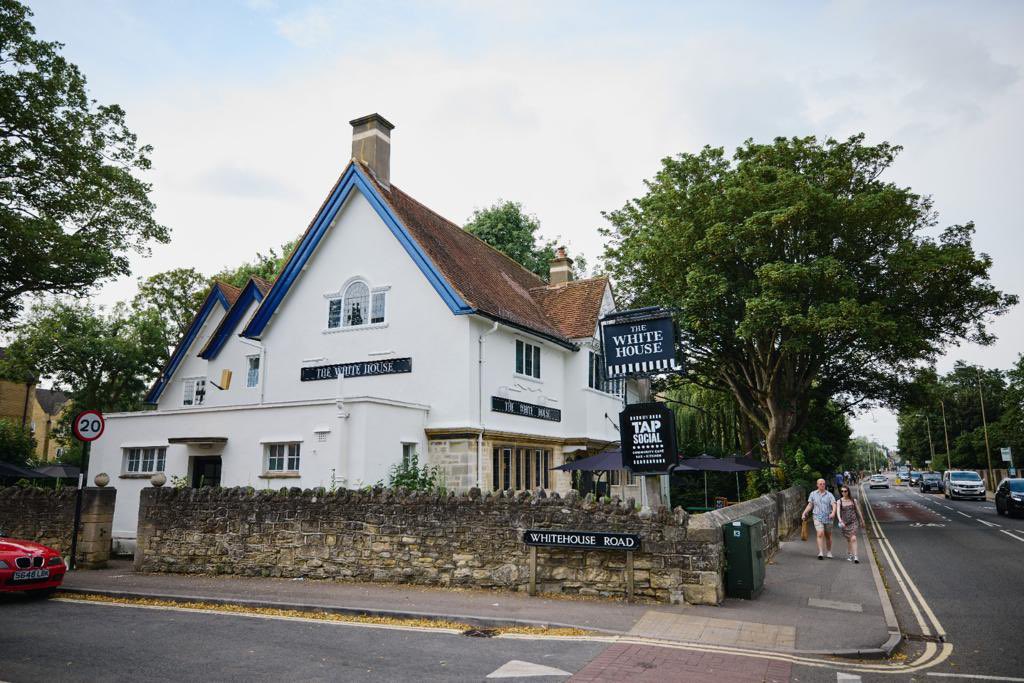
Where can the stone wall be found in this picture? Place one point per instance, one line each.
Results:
(398, 537)
(47, 517)
(779, 511)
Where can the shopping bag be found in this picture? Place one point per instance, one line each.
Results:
(805, 529)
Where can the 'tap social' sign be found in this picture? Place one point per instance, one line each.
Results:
(637, 347)
(648, 432)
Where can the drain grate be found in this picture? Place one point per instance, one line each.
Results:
(921, 638)
(481, 632)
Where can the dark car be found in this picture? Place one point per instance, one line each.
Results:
(930, 481)
(1010, 497)
(30, 567)
(915, 478)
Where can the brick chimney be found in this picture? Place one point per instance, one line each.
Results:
(371, 144)
(560, 268)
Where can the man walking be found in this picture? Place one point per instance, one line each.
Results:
(823, 505)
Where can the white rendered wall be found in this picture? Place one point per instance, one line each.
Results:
(191, 364)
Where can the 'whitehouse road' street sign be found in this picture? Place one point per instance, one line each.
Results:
(585, 540)
(648, 433)
(640, 346)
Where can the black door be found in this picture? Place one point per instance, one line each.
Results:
(206, 471)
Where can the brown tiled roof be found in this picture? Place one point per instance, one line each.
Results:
(261, 284)
(490, 281)
(574, 307)
(486, 279)
(230, 292)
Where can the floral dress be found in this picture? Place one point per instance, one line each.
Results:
(850, 516)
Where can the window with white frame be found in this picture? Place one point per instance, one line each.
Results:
(527, 359)
(596, 378)
(358, 306)
(144, 460)
(409, 455)
(281, 458)
(252, 371)
(195, 391)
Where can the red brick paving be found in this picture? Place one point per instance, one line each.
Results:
(627, 662)
(903, 511)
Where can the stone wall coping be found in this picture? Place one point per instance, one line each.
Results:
(677, 517)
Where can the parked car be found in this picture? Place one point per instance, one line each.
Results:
(915, 478)
(878, 481)
(1010, 497)
(963, 484)
(930, 481)
(28, 566)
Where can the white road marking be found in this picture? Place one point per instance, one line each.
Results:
(947, 507)
(1016, 538)
(962, 513)
(836, 604)
(840, 676)
(516, 668)
(987, 523)
(976, 677)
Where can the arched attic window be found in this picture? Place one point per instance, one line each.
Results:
(358, 306)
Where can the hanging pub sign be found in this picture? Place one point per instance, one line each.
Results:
(639, 342)
(648, 432)
(366, 368)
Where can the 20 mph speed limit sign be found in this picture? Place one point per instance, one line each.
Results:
(88, 425)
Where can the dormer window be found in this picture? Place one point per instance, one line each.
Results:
(358, 306)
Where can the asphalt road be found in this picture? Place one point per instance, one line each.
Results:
(55, 640)
(967, 563)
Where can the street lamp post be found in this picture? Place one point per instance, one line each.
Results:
(945, 430)
(931, 445)
(984, 425)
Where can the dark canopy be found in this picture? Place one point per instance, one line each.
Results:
(610, 459)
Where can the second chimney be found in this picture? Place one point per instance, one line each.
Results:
(371, 145)
(560, 268)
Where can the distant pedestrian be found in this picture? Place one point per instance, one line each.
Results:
(849, 522)
(839, 482)
(822, 504)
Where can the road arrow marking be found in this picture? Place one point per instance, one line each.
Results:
(519, 669)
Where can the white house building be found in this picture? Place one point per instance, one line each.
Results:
(389, 332)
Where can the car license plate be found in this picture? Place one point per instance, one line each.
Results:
(29, 574)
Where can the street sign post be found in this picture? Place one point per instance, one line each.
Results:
(1007, 454)
(87, 426)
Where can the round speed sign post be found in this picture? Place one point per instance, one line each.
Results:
(87, 427)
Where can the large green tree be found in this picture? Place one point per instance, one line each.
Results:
(266, 266)
(105, 359)
(72, 208)
(175, 296)
(508, 228)
(799, 271)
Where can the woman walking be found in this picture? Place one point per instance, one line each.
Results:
(849, 522)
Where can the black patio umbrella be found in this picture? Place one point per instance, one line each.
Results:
(708, 463)
(11, 472)
(610, 459)
(748, 465)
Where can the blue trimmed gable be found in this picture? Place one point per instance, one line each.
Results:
(249, 294)
(214, 298)
(353, 178)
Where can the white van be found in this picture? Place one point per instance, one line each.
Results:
(963, 484)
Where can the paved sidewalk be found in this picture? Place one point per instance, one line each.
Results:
(807, 605)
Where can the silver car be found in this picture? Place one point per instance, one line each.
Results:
(963, 484)
(878, 481)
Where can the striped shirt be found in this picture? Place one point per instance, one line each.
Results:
(823, 503)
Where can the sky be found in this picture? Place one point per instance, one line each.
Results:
(564, 106)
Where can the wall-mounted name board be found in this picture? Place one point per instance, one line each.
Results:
(366, 368)
(640, 346)
(513, 407)
(585, 540)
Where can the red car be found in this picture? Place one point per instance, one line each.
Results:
(28, 566)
